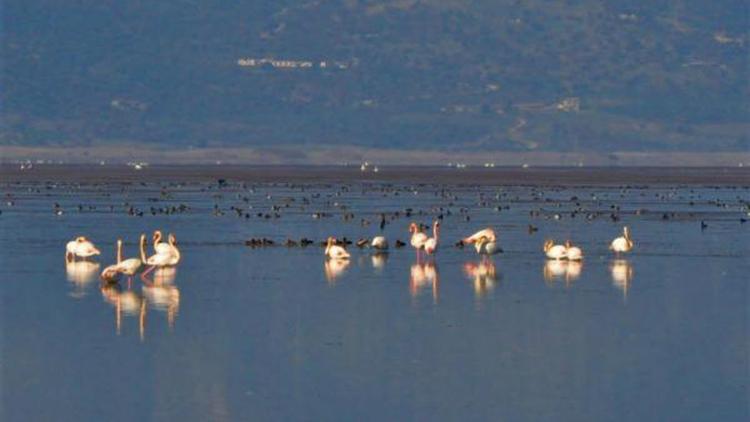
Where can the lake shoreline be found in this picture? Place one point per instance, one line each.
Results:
(537, 176)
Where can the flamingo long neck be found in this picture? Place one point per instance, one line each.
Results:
(328, 245)
(119, 251)
(176, 251)
(436, 232)
(143, 248)
(157, 239)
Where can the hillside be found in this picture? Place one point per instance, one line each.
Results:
(536, 75)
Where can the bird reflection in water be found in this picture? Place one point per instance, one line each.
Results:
(483, 274)
(622, 276)
(335, 268)
(125, 302)
(422, 276)
(163, 296)
(378, 260)
(81, 274)
(568, 271)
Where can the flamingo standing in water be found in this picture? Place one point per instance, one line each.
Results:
(335, 251)
(80, 247)
(162, 258)
(623, 243)
(485, 246)
(129, 267)
(554, 251)
(431, 244)
(379, 243)
(176, 255)
(417, 238)
(487, 233)
(573, 253)
(110, 273)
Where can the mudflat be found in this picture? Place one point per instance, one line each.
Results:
(541, 176)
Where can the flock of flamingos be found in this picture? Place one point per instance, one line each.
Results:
(167, 254)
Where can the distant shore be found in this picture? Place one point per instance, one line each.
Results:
(536, 176)
(333, 155)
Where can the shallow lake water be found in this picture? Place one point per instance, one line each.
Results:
(277, 332)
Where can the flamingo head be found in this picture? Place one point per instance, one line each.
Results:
(413, 228)
(157, 236)
(548, 244)
(81, 239)
(568, 243)
(172, 239)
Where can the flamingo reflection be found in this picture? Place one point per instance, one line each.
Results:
(568, 271)
(335, 268)
(163, 297)
(423, 275)
(379, 260)
(81, 273)
(483, 274)
(622, 275)
(125, 302)
(555, 269)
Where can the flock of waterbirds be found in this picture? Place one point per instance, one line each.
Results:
(167, 254)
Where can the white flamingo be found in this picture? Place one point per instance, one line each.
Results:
(485, 246)
(379, 243)
(623, 243)
(157, 260)
(417, 237)
(554, 251)
(487, 233)
(573, 253)
(431, 244)
(176, 255)
(335, 251)
(80, 247)
(110, 273)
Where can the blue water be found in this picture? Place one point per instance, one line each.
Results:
(237, 333)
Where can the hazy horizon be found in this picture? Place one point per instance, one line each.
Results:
(435, 79)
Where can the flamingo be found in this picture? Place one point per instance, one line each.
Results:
(130, 266)
(379, 242)
(573, 253)
(335, 251)
(158, 259)
(176, 255)
(417, 237)
(168, 247)
(110, 273)
(554, 251)
(431, 244)
(80, 247)
(623, 243)
(485, 246)
(488, 233)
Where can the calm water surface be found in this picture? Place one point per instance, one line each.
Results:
(237, 333)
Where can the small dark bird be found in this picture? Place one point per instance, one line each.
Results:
(703, 225)
(399, 243)
(532, 229)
